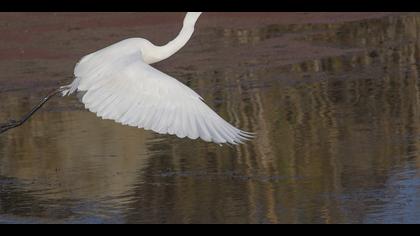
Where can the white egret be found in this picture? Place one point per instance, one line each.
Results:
(118, 83)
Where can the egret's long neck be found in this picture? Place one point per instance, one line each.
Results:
(186, 32)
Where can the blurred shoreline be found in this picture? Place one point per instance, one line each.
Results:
(41, 49)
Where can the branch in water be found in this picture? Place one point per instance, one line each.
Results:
(13, 123)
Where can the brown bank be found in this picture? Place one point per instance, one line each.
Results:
(41, 49)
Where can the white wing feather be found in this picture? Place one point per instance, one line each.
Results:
(129, 91)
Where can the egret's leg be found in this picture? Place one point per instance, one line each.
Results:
(13, 123)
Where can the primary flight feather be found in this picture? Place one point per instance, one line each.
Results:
(118, 83)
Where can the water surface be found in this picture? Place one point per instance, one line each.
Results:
(336, 122)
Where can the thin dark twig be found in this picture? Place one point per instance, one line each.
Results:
(13, 123)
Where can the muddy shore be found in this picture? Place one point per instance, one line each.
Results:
(41, 49)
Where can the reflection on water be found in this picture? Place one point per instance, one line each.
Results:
(337, 142)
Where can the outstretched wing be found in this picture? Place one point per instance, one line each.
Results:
(133, 93)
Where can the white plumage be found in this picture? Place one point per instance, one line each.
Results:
(119, 84)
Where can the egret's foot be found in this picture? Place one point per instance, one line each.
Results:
(3, 128)
(9, 125)
(4, 125)
(12, 122)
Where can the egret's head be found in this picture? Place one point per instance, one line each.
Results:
(192, 17)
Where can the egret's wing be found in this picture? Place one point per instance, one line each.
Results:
(131, 92)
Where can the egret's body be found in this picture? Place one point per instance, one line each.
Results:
(119, 84)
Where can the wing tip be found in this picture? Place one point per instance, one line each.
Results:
(240, 138)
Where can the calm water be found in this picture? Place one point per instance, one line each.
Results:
(337, 142)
